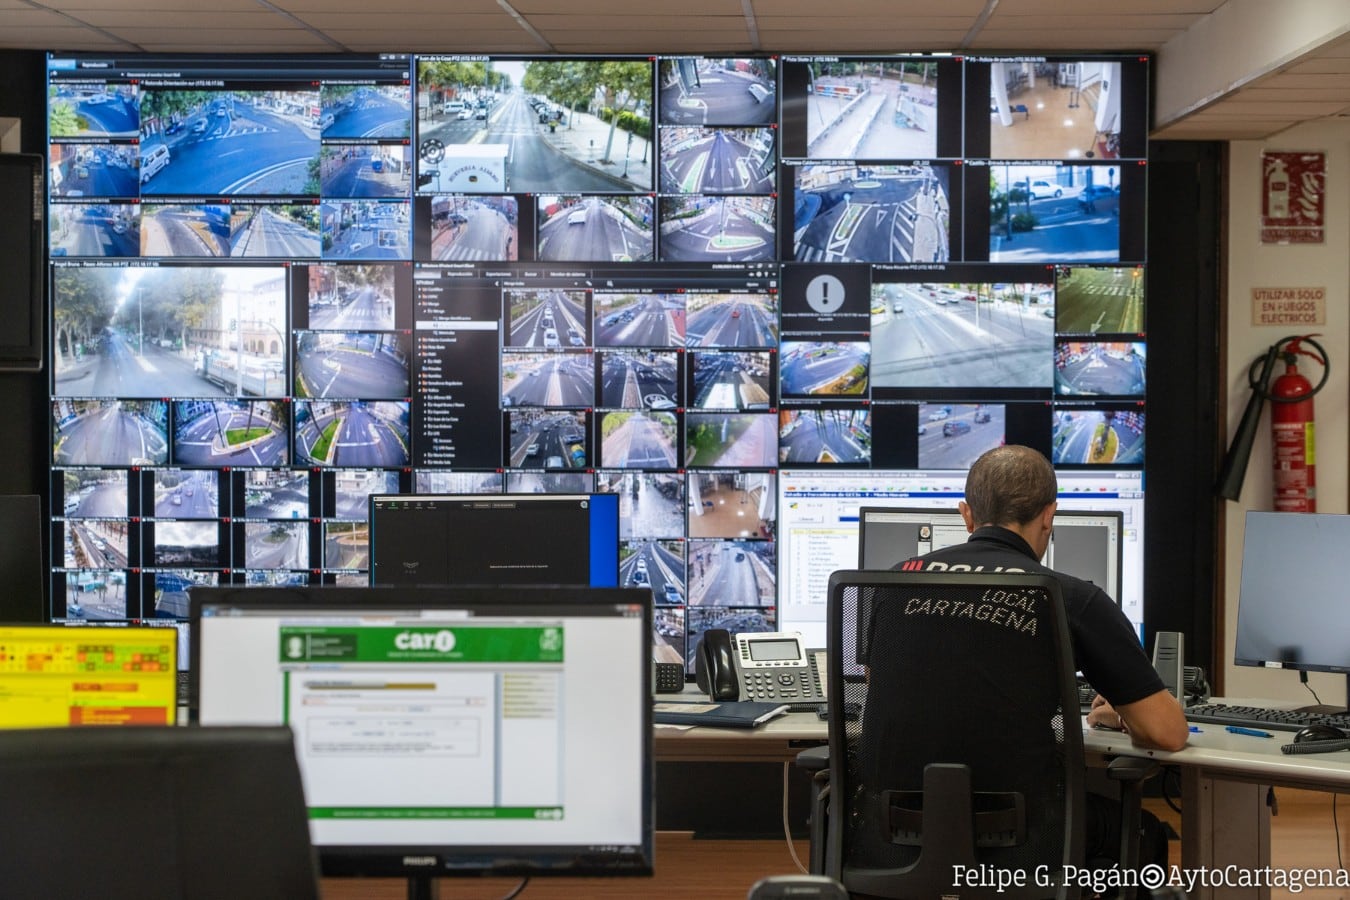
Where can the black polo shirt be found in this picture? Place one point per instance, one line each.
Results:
(1105, 646)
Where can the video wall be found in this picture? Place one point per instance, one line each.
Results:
(281, 284)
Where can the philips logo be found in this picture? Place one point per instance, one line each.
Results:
(441, 641)
(411, 565)
(420, 861)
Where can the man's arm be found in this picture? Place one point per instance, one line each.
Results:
(1155, 721)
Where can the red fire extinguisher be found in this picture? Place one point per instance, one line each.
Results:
(1291, 421)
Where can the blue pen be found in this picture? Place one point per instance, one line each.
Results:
(1195, 729)
(1250, 732)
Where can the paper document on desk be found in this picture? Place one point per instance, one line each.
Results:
(742, 714)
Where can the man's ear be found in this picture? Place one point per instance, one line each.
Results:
(967, 516)
(1048, 516)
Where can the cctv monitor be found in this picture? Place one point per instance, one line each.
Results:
(52, 675)
(1291, 602)
(1083, 543)
(463, 539)
(448, 731)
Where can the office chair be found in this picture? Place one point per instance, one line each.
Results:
(954, 738)
(170, 813)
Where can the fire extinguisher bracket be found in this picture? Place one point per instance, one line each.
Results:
(1292, 429)
(1292, 425)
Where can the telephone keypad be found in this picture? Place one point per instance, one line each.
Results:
(776, 685)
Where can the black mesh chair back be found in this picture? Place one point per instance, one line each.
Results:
(139, 812)
(954, 733)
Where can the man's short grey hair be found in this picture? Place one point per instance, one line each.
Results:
(1010, 485)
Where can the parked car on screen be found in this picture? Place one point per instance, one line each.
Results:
(1040, 190)
(1097, 198)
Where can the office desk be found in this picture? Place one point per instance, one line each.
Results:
(776, 741)
(1225, 781)
(1224, 778)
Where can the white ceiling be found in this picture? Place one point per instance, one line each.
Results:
(1296, 73)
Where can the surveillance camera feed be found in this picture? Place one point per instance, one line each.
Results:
(746, 295)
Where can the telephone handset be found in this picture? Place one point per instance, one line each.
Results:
(775, 667)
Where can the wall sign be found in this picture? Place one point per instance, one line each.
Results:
(1289, 306)
(1292, 197)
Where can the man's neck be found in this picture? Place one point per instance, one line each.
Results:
(1026, 532)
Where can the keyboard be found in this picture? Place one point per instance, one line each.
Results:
(1259, 717)
(1086, 694)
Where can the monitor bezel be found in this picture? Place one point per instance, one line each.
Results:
(1117, 589)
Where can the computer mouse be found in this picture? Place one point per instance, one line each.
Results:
(1319, 733)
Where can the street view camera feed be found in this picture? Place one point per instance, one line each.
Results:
(491, 126)
(872, 109)
(282, 284)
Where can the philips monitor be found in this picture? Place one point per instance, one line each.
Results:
(52, 675)
(448, 731)
(1083, 543)
(1291, 602)
(482, 539)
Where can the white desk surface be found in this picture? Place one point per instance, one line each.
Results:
(791, 726)
(1212, 749)
(1216, 750)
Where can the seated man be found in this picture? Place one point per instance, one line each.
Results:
(1009, 511)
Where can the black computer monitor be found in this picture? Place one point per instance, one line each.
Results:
(1291, 602)
(448, 731)
(1085, 544)
(156, 812)
(462, 539)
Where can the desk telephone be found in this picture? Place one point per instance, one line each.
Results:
(774, 667)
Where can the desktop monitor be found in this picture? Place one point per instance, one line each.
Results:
(448, 731)
(1085, 544)
(1291, 602)
(52, 675)
(819, 518)
(463, 539)
(133, 813)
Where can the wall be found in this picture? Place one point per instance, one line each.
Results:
(1182, 380)
(23, 396)
(1251, 265)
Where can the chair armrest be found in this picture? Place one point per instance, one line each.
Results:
(1127, 769)
(814, 759)
(1131, 772)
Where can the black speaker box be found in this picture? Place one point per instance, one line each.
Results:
(22, 236)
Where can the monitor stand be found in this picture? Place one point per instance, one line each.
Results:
(423, 887)
(1324, 709)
